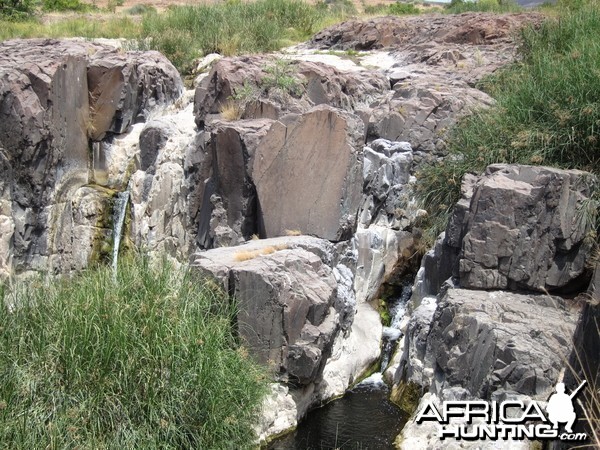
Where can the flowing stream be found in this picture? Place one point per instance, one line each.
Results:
(364, 418)
(119, 211)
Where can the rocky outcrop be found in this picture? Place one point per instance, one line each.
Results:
(516, 228)
(54, 97)
(230, 215)
(266, 87)
(421, 108)
(520, 227)
(391, 31)
(486, 341)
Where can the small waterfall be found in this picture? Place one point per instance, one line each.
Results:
(392, 333)
(119, 211)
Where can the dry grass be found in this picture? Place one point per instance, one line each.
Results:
(293, 232)
(231, 111)
(245, 255)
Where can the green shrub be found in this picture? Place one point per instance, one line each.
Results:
(401, 9)
(379, 8)
(140, 9)
(280, 75)
(64, 5)
(496, 6)
(16, 9)
(547, 110)
(147, 361)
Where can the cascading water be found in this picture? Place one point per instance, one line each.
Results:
(392, 333)
(119, 211)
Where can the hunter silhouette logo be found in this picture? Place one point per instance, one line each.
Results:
(560, 407)
(510, 419)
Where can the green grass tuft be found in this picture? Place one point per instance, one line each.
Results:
(494, 6)
(146, 362)
(186, 32)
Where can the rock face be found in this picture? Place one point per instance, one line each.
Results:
(523, 229)
(321, 199)
(250, 195)
(421, 108)
(516, 228)
(54, 97)
(486, 341)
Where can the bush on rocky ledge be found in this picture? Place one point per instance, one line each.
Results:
(147, 361)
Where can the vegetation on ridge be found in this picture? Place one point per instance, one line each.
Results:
(547, 112)
(146, 361)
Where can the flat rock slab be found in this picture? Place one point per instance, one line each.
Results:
(308, 175)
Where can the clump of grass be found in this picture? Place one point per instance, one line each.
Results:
(402, 9)
(246, 255)
(115, 27)
(231, 110)
(66, 5)
(141, 9)
(293, 232)
(147, 361)
(495, 6)
(547, 110)
(280, 75)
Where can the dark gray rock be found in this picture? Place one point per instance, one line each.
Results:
(523, 229)
(484, 341)
(52, 101)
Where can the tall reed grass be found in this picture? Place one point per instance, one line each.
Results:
(149, 361)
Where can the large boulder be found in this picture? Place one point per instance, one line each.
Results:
(308, 174)
(484, 341)
(422, 107)
(124, 88)
(524, 229)
(287, 299)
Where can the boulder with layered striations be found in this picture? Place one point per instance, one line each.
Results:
(485, 341)
(525, 229)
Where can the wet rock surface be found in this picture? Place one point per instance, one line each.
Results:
(54, 97)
